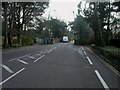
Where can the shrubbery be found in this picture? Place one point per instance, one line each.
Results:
(27, 40)
(112, 53)
(81, 42)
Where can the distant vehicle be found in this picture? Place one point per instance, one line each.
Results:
(65, 39)
(61, 40)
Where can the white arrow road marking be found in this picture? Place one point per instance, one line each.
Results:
(22, 61)
(39, 58)
(102, 80)
(11, 76)
(7, 68)
(89, 60)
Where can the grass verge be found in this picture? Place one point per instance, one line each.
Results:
(111, 54)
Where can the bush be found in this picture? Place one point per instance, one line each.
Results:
(81, 42)
(27, 40)
(17, 45)
(112, 53)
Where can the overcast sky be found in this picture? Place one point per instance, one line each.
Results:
(62, 9)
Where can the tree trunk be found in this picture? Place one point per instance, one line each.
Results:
(5, 24)
(19, 26)
(108, 25)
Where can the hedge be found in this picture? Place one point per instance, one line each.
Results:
(27, 40)
(112, 54)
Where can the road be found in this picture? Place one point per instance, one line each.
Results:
(59, 65)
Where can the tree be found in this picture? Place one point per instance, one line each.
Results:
(98, 15)
(82, 31)
(57, 27)
(17, 16)
(5, 5)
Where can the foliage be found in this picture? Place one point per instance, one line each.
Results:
(27, 40)
(82, 32)
(98, 15)
(112, 53)
(16, 18)
(57, 27)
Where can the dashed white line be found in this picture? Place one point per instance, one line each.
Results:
(84, 53)
(89, 60)
(22, 61)
(11, 76)
(19, 57)
(7, 68)
(107, 64)
(82, 48)
(102, 80)
(39, 58)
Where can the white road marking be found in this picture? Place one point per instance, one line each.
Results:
(42, 52)
(90, 50)
(82, 48)
(38, 54)
(54, 47)
(84, 53)
(50, 51)
(89, 60)
(39, 58)
(11, 76)
(22, 61)
(32, 57)
(102, 80)
(19, 57)
(107, 64)
(7, 68)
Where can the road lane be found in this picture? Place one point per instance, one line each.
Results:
(64, 66)
(112, 79)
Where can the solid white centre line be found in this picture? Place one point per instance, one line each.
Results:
(82, 48)
(84, 52)
(89, 60)
(22, 61)
(11, 76)
(39, 58)
(102, 80)
(7, 68)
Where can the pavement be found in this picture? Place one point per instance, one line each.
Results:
(61, 65)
